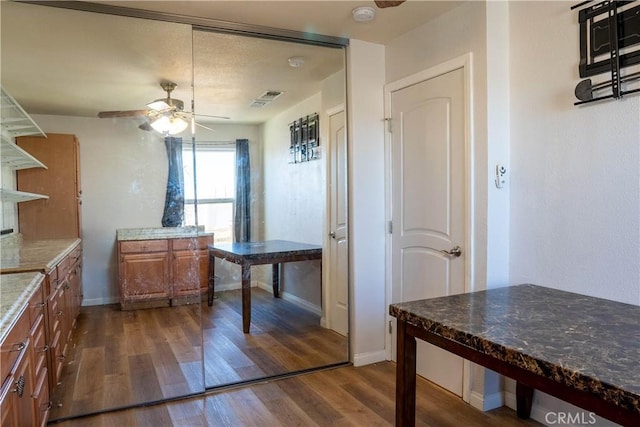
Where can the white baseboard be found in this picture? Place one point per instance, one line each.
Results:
(486, 402)
(363, 359)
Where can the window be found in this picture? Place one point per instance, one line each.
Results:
(216, 188)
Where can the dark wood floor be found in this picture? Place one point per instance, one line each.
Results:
(344, 396)
(119, 357)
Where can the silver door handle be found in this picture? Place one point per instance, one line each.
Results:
(332, 234)
(456, 251)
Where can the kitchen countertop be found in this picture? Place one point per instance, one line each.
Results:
(15, 291)
(34, 255)
(582, 342)
(160, 233)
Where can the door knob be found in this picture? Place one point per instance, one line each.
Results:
(332, 234)
(456, 251)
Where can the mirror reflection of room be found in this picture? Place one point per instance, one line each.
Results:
(153, 314)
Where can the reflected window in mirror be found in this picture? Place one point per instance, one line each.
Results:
(215, 189)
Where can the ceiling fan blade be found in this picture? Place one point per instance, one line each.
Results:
(126, 113)
(383, 3)
(204, 127)
(214, 117)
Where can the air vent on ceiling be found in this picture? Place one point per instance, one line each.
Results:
(258, 104)
(266, 98)
(270, 95)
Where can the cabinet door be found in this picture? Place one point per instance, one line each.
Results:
(144, 276)
(16, 403)
(190, 272)
(59, 216)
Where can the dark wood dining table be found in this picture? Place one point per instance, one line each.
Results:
(246, 254)
(580, 349)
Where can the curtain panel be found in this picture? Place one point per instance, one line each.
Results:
(173, 215)
(242, 216)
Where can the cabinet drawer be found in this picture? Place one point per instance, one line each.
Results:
(192, 243)
(141, 246)
(14, 343)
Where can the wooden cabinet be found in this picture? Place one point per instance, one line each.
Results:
(162, 272)
(24, 393)
(59, 216)
(190, 266)
(63, 301)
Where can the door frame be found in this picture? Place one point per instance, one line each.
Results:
(464, 62)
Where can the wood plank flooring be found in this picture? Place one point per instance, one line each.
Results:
(345, 396)
(118, 358)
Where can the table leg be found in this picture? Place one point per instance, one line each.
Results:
(524, 399)
(246, 297)
(405, 377)
(210, 286)
(275, 280)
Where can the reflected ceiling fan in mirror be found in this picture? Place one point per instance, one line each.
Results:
(382, 4)
(165, 115)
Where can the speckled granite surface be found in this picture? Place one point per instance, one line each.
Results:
(590, 344)
(160, 233)
(15, 291)
(34, 255)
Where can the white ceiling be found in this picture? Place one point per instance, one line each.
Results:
(67, 62)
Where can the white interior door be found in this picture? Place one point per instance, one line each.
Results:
(338, 291)
(428, 210)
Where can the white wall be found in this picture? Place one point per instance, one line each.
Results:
(575, 171)
(365, 118)
(295, 199)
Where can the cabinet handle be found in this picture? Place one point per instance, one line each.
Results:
(59, 313)
(19, 386)
(19, 346)
(61, 357)
(43, 349)
(39, 305)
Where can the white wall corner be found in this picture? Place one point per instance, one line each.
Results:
(365, 112)
(362, 359)
(487, 402)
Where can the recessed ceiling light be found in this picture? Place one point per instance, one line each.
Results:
(363, 14)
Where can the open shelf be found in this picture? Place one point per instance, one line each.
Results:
(16, 158)
(19, 196)
(15, 121)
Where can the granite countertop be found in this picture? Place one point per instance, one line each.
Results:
(161, 233)
(34, 255)
(587, 343)
(15, 292)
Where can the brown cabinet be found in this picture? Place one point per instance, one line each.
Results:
(162, 272)
(24, 392)
(59, 216)
(63, 301)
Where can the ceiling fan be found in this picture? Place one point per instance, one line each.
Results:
(382, 4)
(165, 115)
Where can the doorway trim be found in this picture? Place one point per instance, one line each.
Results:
(464, 62)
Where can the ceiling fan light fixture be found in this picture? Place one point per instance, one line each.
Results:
(296, 61)
(171, 125)
(363, 14)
